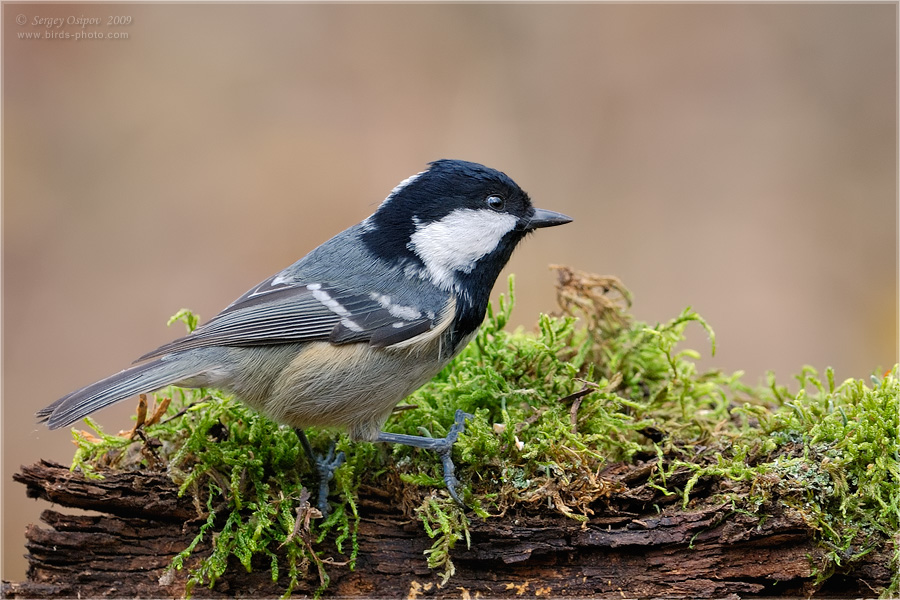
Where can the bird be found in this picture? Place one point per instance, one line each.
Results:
(341, 336)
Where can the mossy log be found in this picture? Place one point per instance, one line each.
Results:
(704, 550)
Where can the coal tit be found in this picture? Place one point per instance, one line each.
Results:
(341, 336)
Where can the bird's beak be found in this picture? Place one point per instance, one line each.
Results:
(547, 218)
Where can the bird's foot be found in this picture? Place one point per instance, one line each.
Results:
(325, 466)
(442, 446)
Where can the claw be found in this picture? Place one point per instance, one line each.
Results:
(325, 466)
(443, 447)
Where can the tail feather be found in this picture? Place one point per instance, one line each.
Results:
(139, 379)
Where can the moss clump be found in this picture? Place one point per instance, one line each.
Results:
(832, 453)
(552, 408)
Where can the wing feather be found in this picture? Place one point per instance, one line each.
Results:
(280, 312)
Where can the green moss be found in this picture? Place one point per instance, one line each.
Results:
(552, 408)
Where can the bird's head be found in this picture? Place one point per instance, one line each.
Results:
(456, 224)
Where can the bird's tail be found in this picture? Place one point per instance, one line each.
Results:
(139, 379)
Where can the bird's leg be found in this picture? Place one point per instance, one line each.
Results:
(325, 465)
(442, 446)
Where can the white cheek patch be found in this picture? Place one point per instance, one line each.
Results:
(458, 241)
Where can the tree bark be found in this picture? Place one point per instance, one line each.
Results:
(706, 551)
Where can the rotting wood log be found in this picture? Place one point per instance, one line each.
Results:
(704, 552)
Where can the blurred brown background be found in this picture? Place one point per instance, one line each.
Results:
(740, 159)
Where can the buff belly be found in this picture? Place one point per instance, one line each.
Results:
(350, 386)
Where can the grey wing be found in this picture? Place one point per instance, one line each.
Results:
(280, 311)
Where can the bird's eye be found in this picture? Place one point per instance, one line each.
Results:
(495, 202)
